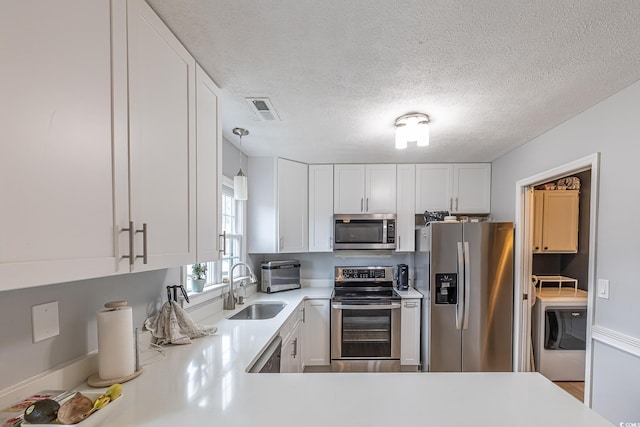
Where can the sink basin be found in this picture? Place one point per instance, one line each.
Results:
(259, 311)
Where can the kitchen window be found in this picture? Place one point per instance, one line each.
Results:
(232, 216)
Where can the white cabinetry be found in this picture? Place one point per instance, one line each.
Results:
(59, 149)
(405, 219)
(316, 332)
(320, 208)
(209, 167)
(278, 206)
(463, 188)
(365, 188)
(292, 341)
(410, 335)
(161, 89)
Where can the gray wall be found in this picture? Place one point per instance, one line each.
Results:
(612, 128)
(78, 303)
(231, 161)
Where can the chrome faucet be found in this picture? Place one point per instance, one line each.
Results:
(230, 300)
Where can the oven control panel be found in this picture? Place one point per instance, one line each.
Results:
(364, 273)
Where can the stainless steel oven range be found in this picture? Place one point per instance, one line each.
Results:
(365, 320)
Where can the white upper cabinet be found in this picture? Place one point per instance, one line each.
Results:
(320, 208)
(58, 144)
(462, 188)
(293, 211)
(161, 142)
(209, 167)
(278, 206)
(405, 219)
(434, 187)
(472, 188)
(348, 189)
(364, 188)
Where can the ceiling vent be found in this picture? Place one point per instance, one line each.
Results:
(263, 109)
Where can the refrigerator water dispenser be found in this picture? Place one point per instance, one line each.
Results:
(446, 288)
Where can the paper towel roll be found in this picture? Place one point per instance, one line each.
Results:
(116, 352)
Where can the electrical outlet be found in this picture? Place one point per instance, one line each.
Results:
(603, 288)
(44, 318)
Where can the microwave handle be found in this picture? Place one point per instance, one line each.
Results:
(361, 204)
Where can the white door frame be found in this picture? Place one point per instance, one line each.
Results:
(523, 256)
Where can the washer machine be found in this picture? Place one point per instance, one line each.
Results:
(559, 333)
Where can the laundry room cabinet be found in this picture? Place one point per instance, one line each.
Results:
(556, 221)
(362, 188)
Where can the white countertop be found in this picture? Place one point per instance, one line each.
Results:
(205, 383)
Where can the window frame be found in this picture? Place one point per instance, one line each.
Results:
(215, 278)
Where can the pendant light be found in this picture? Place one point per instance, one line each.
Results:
(240, 187)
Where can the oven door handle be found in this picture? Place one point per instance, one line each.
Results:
(366, 307)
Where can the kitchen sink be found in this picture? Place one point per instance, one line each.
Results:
(259, 311)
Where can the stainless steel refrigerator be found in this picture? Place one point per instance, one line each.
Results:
(466, 269)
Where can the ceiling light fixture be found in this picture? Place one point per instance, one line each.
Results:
(412, 128)
(240, 185)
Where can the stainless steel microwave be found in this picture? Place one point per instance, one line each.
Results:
(364, 231)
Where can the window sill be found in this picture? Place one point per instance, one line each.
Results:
(210, 292)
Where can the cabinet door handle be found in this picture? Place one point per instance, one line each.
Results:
(281, 243)
(144, 243)
(224, 243)
(537, 248)
(456, 204)
(410, 304)
(131, 231)
(361, 204)
(367, 205)
(294, 343)
(546, 248)
(451, 204)
(330, 242)
(398, 245)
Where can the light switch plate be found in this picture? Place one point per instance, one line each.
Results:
(44, 318)
(603, 288)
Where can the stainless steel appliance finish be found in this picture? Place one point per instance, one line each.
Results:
(365, 320)
(364, 231)
(259, 311)
(269, 360)
(280, 276)
(467, 271)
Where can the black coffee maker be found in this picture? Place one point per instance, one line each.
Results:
(403, 276)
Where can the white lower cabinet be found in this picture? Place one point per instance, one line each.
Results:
(316, 332)
(410, 332)
(291, 359)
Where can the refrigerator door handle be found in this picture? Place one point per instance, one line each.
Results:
(460, 301)
(467, 286)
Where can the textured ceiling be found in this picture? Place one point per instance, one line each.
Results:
(491, 74)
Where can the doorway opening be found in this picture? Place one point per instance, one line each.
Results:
(529, 260)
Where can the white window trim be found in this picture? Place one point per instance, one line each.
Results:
(216, 288)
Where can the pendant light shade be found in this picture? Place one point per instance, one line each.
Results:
(240, 184)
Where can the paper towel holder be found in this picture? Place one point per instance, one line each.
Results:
(95, 380)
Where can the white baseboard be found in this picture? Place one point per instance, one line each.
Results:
(623, 342)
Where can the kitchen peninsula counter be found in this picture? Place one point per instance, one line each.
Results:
(206, 384)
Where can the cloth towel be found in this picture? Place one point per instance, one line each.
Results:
(172, 325)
